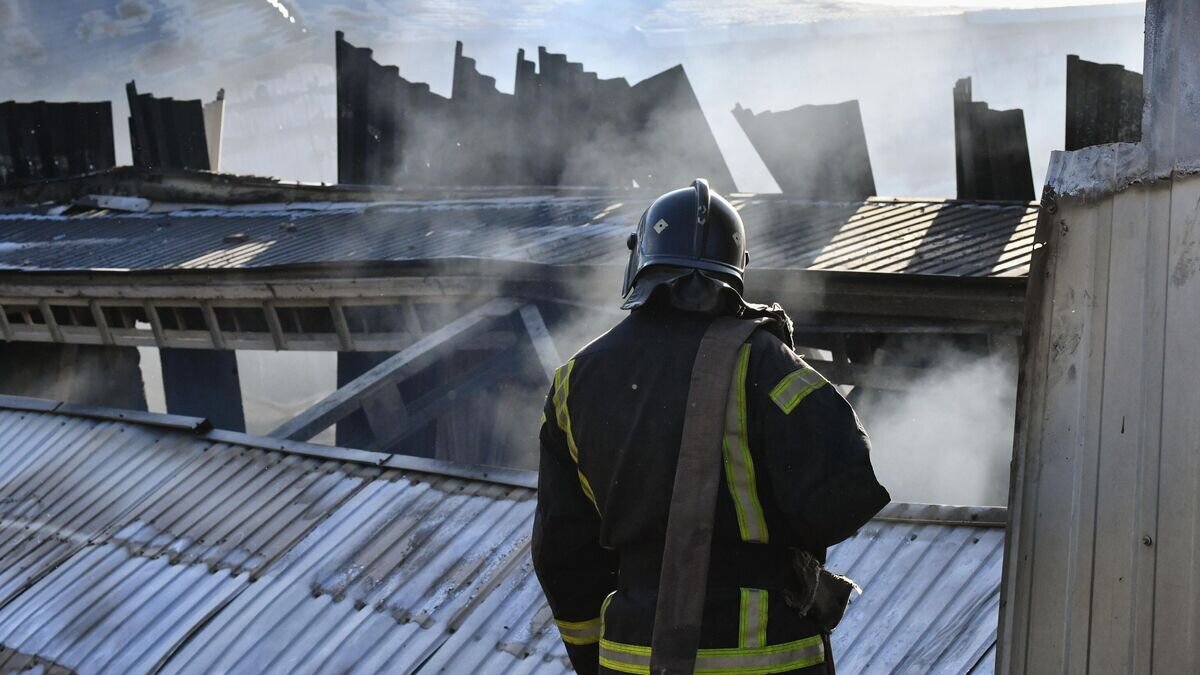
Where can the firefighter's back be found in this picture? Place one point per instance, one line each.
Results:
(626, 400)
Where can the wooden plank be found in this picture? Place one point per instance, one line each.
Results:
(543, 342)
(214, 327)
(341, 402)
(51, 323)
(155, 322)
(5, 327)
(273, 324)
(345, 339)
(101, 322)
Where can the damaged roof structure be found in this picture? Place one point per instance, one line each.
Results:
(445, 273)
(562, 125)
(53, 140)
(318, 269)
(816, 152)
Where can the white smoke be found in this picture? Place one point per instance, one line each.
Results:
(948, 439)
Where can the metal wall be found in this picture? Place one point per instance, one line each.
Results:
(1103, 571)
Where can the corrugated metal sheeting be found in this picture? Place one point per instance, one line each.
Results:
(880, 235)
(145, 545)
(1103, 567)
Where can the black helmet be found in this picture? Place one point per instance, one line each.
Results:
(693, 228)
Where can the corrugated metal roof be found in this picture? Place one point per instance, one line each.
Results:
(141, 544)
(880, 235)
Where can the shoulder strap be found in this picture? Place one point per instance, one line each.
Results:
(684, 579)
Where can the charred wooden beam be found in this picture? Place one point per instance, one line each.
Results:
(42, 140)
(816, 152)
(165, 133)
(1104, 104)
(561, 126)
(991, 150)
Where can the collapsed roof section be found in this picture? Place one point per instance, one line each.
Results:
(168, 134)
(562, 126)
(991, 149)
(1104, 104)
(42, 140)
(816, 152)
(183, 549)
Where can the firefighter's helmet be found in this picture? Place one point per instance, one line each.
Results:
(694, 228)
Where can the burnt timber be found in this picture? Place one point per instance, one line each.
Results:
(1104, 104)
(168, 134)
(816, 152)
(991, 149)
(42, 140)
(561, 126)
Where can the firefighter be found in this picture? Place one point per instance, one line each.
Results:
(796, 468)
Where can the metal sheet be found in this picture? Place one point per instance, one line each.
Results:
(190, 551)
(878, 235)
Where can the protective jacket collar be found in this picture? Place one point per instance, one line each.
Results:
(692, 290)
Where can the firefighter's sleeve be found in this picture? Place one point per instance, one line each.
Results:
(818, 454)
(575, 572)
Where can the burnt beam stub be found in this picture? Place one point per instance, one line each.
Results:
(563, 125)
(991, 150)
(813, 151)
(168, 134)
(1104, 104)
(52, 140)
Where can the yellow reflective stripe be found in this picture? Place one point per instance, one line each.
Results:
(739, 466)
(732, 661)
(579, 632)
(795, 386)
(752, 623)
(562, 391)
(604, 611)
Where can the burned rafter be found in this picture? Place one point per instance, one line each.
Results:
(445, 381)
(816, 152)
(991, 150)
(1104, 104)
(561, 126)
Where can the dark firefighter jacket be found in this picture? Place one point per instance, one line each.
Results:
(797, 473)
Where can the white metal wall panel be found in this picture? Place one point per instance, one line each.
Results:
(1103, 567)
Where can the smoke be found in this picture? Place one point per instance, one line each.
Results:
(948, 438)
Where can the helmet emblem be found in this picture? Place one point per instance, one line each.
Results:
(660, 226)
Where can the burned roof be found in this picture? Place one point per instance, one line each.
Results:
(136, 542)
(910, 236)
